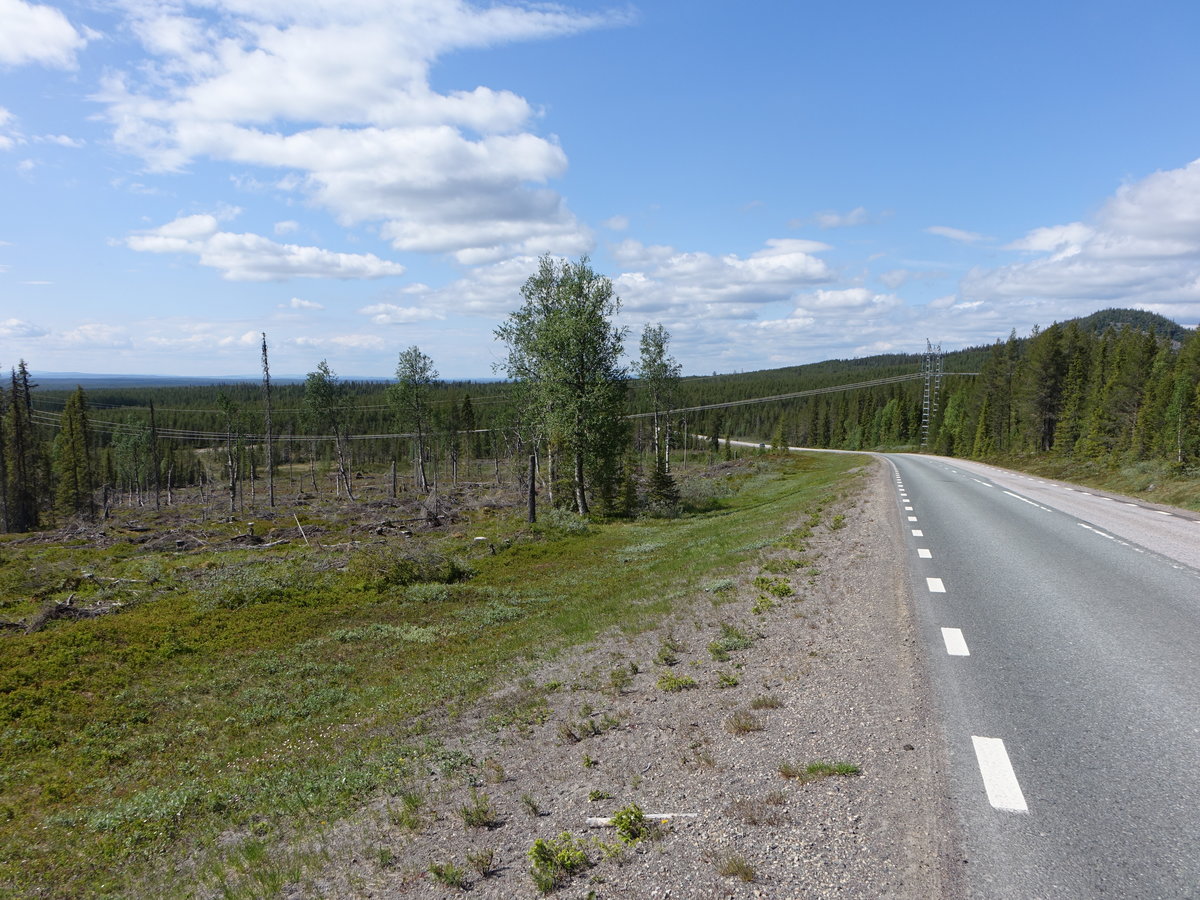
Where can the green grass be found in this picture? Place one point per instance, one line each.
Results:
(817, 770)
(741, 722)
(277, 689)
(736, 866)
(670, 682)
(1156, 481)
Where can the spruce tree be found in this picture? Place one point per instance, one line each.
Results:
(74, 468)
(21, 454)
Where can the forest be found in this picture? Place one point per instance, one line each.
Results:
(1116, 387)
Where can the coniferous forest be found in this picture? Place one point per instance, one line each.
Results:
(1118, 387)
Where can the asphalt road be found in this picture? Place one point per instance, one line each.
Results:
(1063, 632)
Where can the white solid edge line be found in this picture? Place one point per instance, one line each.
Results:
(999, 779)
(956, 644)
(935, 585)
(924, 553)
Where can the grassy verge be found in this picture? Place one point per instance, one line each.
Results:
(264, 693)
(1153, 480)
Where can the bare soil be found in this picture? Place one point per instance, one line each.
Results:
(840, 655)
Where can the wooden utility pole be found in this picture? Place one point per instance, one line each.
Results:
(532, 487)
(267, 407)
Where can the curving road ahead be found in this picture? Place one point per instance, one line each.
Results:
(1063, 631)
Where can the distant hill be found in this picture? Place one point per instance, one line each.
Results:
(1140, 319)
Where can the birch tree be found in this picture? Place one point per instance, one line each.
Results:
(564, 352)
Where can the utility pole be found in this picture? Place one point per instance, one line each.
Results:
(932, 369)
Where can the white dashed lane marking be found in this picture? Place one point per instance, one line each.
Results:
(917, 532)
(999, 779)
(935, 585)
(923, 553)
(956, 644)
(1024, 500)
(912, 518)
(1096, 531)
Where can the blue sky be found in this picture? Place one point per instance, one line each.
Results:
(777, 183)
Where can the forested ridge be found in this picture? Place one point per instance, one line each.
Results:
(1116, 386)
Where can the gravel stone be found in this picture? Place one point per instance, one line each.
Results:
(842, 655)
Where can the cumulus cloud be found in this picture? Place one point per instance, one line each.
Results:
(956, 234)
(662, 278)
(1141, 249)
(392, 314)
(33, 33)
(252, 257)
(338, 97)
(19, 328)
(297, 303)
(845, 299)
(342, 342)
(96, 335)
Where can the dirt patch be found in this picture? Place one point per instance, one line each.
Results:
(809, 656)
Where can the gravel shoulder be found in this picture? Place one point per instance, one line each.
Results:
(568, 741)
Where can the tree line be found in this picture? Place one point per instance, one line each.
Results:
(72, 454)
(601, 432)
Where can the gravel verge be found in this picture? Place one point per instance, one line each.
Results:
(840, 666)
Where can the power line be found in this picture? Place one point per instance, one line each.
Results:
(47, 417)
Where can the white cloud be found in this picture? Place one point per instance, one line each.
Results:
(287, 227)
(1142, 249)
(9, 137)
(832, 219)
(342, 342)
(19, 328)
(96, 335)
(392, 314)
(616, 223)
(338, 97)
(724, 286)
(62, 140)
(34, 33)
(252, 257)
(297, 303)
(845, 299)
(956, 234)
(243, 340)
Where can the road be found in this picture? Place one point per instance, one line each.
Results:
(1063, 632)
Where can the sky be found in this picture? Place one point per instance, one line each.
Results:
(774, 182)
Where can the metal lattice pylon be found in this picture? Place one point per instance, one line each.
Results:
(932, 370)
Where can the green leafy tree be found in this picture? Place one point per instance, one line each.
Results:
(415, 375)
(564, 352)
(659, 374)
(325, 412)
